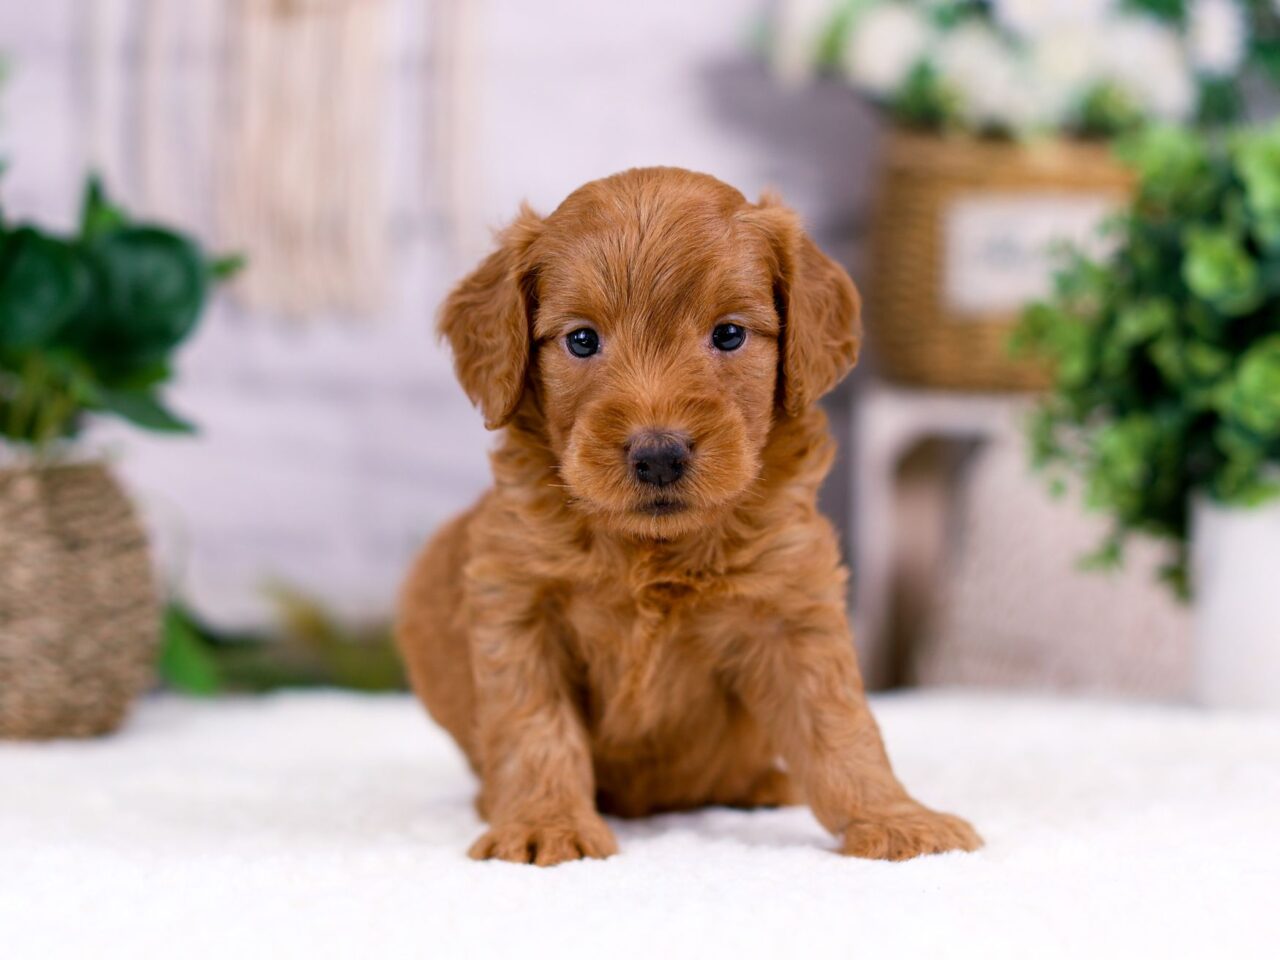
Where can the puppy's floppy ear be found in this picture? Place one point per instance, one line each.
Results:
(487, 321)
(818, 306)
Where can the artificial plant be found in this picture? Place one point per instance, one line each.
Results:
(1166, 351)
(1017, 67)
(89, 321)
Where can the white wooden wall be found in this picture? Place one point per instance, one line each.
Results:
(329, 451)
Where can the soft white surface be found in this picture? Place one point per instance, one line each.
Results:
(336, 825)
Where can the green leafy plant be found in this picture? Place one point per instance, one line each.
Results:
(306, 646)
(89, 321)
(1167, 352)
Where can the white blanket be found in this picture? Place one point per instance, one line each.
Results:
(335, 825)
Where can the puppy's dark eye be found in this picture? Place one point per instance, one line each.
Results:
(583, 342)
(728, 336)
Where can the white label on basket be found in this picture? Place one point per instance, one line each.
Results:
(1000, 247)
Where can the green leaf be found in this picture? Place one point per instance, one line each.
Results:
(97, 214)
(1220, 101)
(41, 395)
(1172, 164)
(227, 266)
(1255, 397)
(143, 409)
(1074, 348)
(42, 284)
(1257, 161)
(1136, 324)
(186, 663)
(1265, 52)
(151, 287)
(1168, 356)
(1143, 320)
(1242, 478)
(1219, 269)
(835, 34)
(1042, 430)
(1172, 10)
(1176, 574)
(1108, 556)
(1205, 361)
(1123, 461)
(1106, 110)
(924, 100)
(141, 378)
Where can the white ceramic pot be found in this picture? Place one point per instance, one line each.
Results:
(1235, 554)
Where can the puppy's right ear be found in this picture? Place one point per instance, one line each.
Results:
(487, 321)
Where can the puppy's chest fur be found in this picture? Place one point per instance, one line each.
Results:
(648, 650)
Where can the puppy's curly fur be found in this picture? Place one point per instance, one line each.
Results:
(598, 645)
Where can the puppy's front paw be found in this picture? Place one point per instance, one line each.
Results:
(546, 842)
(907, 831)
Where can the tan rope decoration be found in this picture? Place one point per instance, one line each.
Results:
(301, 177)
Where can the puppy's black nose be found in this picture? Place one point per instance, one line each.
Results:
(658, 459)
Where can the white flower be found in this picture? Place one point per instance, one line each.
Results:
(885, 43)
(1216, 36)
(1070, 59)
(1145, 59)
(1036, 103)
(798, 29)
(983, 71)
(1063, 66)
(1033, 19)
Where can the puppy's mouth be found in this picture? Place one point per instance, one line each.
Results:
(662, 507)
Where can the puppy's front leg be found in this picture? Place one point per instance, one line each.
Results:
(803, 684)
(535, 759)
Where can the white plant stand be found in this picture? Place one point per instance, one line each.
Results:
(888, 423)
(1236, 566)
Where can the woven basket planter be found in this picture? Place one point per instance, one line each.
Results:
(79, 616)
(960, 239)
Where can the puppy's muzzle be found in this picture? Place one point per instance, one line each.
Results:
(659, 459)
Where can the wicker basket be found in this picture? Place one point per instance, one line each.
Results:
(955, 223)
(79, 617)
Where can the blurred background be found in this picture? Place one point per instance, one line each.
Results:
(358, 154)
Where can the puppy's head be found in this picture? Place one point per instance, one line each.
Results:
(656, 324)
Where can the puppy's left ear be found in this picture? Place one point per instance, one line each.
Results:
(487, 320)
(818, 306)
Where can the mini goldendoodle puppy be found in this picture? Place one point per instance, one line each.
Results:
(647, 611)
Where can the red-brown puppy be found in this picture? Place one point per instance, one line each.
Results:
(647, 611)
